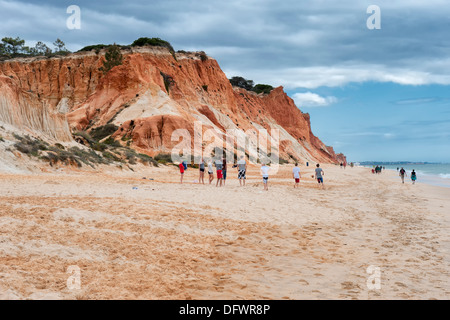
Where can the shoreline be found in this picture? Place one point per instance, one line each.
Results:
(426, 178)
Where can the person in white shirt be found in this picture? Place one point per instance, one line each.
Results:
(296, 175)
(265, 174)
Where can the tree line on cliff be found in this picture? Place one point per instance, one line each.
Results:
(249, 85)
(16, 47)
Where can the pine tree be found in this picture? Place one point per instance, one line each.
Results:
(42, 48)
(13, 46)
(60, 46)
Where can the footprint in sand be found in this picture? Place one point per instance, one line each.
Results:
(401, 284)
(348, 285)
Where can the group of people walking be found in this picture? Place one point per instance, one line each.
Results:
(241, 165)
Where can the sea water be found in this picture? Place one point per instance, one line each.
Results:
(437, 174)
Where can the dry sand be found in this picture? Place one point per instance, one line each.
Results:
(164, 240)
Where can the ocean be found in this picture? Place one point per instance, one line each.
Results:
(437, 174)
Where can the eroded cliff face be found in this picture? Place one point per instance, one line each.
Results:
(24, 111)
(148, 97)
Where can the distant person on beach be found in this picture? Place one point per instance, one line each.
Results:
(181, 166)
(210, 171)
(342, 165)
(201, 178)
(219, 168)
(265, 175)
(413, 176)
(224, 170)
(397, 169)
(242, 170)
(345, 165)
(402, 174)
(319, 175)
(296, 175)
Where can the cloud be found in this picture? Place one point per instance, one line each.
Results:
(417, 101)
(297, 44)
(310, 99)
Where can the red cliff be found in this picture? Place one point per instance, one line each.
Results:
(148, 97)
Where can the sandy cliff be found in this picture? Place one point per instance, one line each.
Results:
(148, 97)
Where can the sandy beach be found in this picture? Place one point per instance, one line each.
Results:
(135, 238)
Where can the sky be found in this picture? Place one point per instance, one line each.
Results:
(373, 94)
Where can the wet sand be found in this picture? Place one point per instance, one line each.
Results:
(135, 238)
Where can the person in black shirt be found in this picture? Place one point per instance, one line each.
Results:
(413, 177)
(402, 174)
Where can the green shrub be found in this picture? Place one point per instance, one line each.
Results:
(102, 132)
(262, 88)
(168, 81)
(203, 56)
(96, 47)
(112, 143)
(30, 146)
(242, 83)
(113, 58)
(84, 135)
(164, 158)
(155, 42)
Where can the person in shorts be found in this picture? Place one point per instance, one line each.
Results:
(201, 166)
(210, 172)
(242, 170)
(265, 175)
(224, 170)
(296, 175)
(319, 175)
(413, 177)
(402, 174)
(219, 168)
(181, 166)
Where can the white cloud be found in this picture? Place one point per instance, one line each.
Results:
(294, 43)
(310, 99)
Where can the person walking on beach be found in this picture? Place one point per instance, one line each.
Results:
(265, 175)
(402, 174)
(224, 170)
(201, 166)
(219, 168)
(181, 166)
(319, 175)
(242, 169)
(210, 171)
(413, 176)
(296, 175)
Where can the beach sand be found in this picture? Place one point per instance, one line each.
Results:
(164, 240)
